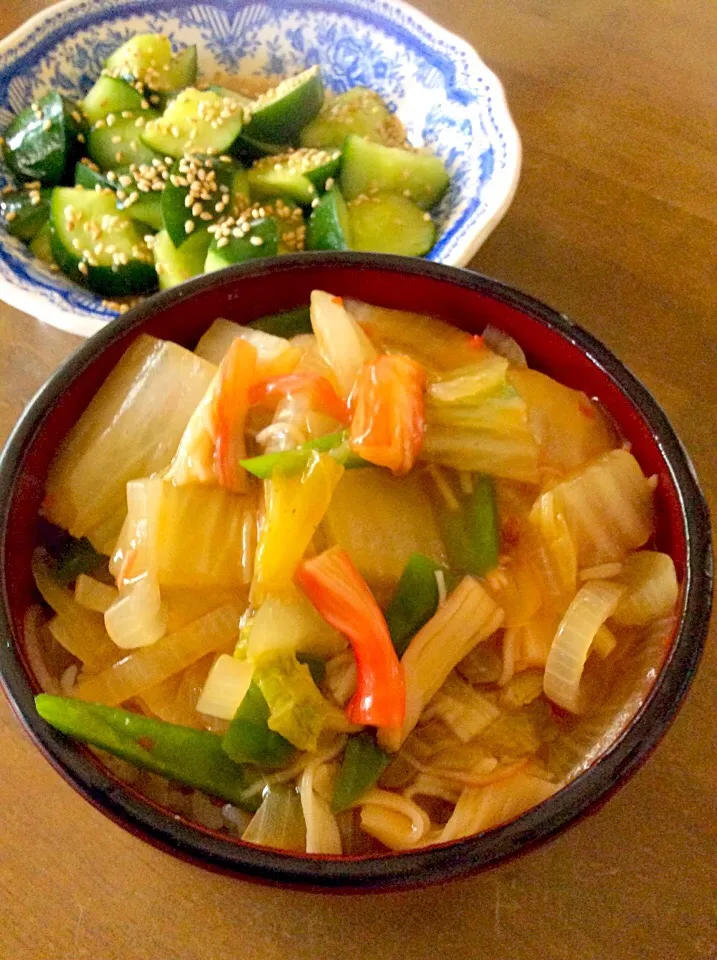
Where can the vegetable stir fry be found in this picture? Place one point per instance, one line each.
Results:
(362, 579)
(156, 177)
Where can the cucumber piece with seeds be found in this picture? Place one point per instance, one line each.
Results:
(389, 223)
(261, 239)
(118, 144)
(196, 187)
(196, 121)
(41, 142)
(360, 111)
(328, 227)
(278, 115)
(98, 246)
(299, 174)
(369, 168)
(148, 58)
(110, 95)
(174, 265)
(25, 212)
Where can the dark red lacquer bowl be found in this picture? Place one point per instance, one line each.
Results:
(553, 344)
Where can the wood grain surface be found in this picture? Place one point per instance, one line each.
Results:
(615, 223)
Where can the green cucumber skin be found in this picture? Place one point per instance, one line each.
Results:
(25, 218)
(110, 95)
(281, 120)
(89, 179)
(240, 250)
(112, 281)
(328, 226)
(129, 149)
(369, 168)
(34, 153)
(175, 266)
(174, 212)
(390, 223)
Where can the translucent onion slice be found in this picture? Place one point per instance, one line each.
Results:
(592, 605)
(138, 618)
(279, 821)
(322, 830)
(93, 595)
(226, 685)
(651, 589)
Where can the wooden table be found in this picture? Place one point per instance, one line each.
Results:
(615, 222)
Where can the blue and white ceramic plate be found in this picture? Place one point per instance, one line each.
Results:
(444, 94)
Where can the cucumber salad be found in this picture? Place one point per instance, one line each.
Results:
(153, 178)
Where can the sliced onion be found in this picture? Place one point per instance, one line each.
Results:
(93, 595)
(225, 687)
(590, 608)
(138, 618)
(505, 345)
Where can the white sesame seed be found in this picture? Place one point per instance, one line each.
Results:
(188, 226)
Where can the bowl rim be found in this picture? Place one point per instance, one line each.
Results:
(438, 863)
(51, 307)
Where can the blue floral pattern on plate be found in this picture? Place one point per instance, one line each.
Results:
(446, 97)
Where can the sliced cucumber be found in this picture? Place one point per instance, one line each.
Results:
(41, 245)
(370, 168)
(247, 149)
(195, 122)
(97, 245)
(360, 111)
(140, 203)
(110, 95)
(200, 191)
(289, 218)
(175, 266)
(119, 143)
(278, 115)
(328, 227)
(41, 142)
(260, 239)
(298, 174)
(146, 210)
(148, 58)
(182, 71)
(24, 212)
(389, 223)
(89, 176)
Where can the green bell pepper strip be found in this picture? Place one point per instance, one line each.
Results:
(76, 557)
(287, 324)
(414, 601)
(293, 461)
(472, 534)
(362, 765)
(192, 757)
(249, 739)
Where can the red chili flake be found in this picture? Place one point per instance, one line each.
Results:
(587, 409)
(476, 341)
(147, 743)
(338, 300)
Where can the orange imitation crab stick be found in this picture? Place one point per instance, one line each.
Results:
(323, 397)
(338, 591)
(388, 412)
